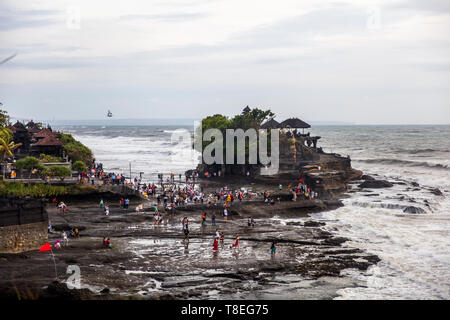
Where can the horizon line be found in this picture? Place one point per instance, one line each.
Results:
(317, 122)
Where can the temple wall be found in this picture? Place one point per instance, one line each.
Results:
(24, 237)
(23, 225)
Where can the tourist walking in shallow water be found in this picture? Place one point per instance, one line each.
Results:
(216, 244)
(63, 207)
(222, 238)
(203, 219)
(225, 214)
(273, 248)
(185, 225)
(65, 238)
(236, 243)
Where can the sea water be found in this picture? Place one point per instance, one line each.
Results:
(414, 248)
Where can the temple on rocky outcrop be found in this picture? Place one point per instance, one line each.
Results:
(299, 156)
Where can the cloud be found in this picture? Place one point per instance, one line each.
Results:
(169, 57)
(431, 6)
(176, 17)
(20, 19)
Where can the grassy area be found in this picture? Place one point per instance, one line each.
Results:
(18, 189)
(21, 190)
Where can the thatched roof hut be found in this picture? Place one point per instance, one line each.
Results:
(294, 123)
(32, 127)
(19, 126)
(49, 141)
(246, 110)
(49, 145)
(44, 133)
(270, 124)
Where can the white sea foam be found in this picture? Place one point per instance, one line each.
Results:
(414, 248)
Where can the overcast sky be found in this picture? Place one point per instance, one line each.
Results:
(367, 62)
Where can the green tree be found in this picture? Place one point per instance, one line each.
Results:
(7, 146)
(79, 166)
(252, 119)
(216, 121)
(4, 118)
(29, 163)
(59, 171)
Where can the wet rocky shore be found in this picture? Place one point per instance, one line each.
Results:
(156, 262)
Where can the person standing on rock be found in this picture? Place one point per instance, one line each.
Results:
(65, 238)
(213, 219)
(216, 244)
(185, 223)
(273, 248)
(217, 236)
(63, 207)
(222, 238)
(294, 196)
(236, 243)
(101, 203)
(225, 214)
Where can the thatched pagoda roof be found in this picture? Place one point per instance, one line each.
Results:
(270, 124)
(19, 126)
(44, 133)
(246, 110)
(32, 127)
(294, 123)
(49, 141)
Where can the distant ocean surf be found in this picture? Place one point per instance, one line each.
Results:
(414, 248)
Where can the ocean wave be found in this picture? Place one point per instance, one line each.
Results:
(378, 205)
(405, 163)
(419, 151)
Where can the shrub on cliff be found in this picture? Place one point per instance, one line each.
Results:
(79, 166)
(60, 172)
(76, 150)
(4, 118)
(48, 158)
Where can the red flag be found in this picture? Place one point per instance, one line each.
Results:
(46, 247)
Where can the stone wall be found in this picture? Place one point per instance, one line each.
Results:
(24, 237)
(23, 224)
